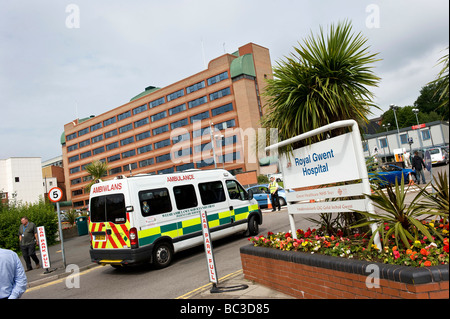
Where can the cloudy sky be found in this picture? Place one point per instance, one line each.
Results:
(60, 60)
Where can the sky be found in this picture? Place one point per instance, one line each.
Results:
(62, 60)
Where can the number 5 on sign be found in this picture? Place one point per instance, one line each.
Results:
(55, 194)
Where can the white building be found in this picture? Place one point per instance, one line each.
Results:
(428, 135)
(21, 179)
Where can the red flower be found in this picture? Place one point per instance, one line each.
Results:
(287, 235)
(424, 252)
(446, 248)
(427, 263)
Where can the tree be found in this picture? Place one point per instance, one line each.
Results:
(96, 170)
(430, 100)
(324, 80)
(405, 118)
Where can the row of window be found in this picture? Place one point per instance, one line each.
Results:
(162, 158)
(404, 138)
(159, 130)
(226, 158)
(162, 100)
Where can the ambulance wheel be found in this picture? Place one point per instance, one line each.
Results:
(253, 226)
(162, 255)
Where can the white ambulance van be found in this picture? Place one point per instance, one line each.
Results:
(148, 218)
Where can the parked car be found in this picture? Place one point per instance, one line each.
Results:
(260, 193)
(387, 174)
(439, 155)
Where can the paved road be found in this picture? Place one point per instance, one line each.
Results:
(187, 273)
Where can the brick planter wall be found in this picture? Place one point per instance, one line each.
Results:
(315, 276)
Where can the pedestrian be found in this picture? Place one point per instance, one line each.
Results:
(417, 165)
(28, 238)
(273, 189)
(13, 281)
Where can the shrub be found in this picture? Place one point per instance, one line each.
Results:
(41, 214)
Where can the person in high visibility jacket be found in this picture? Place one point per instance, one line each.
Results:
(273, 189)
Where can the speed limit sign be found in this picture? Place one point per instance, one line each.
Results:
(55, 194)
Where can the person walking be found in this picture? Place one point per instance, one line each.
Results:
(418, 165)
(28, 238)
(13, 281)
(273, 189)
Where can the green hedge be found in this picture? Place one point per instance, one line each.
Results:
(41, 214)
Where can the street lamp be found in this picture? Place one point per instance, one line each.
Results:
(395, 108)
(386, 126)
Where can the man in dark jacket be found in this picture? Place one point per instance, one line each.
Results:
(418, 165)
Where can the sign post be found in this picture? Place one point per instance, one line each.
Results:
(55, 195)
(45, 256)
(335, 160)
(429, 165)
(212, 273)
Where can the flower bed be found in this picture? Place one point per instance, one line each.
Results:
(319, 266)
(422, 252)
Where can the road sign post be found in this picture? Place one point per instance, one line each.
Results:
(55, 195)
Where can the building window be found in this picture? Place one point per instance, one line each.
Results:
(177, 109)
(145, 149)
(111, 133)
(116, 170)
(141, 122)
(97, 138)
(160, 130)
(426, 135)
(128, 154)
(74, 158)
(166, 170)
(74, 170)
(383, 142)
(219, 94)
(127, 141)
(71, 136)
(85, 154)
(17, 179)
(200, 116)
(181, 138)
(129, 167)
(404, 138)
(72, 147)
(195, 87)
(75, 181)
(222, 109)
(84, 143)
(218, 78)
(125, 128)
(163, 158)
(162, 143)
(96, 127)
(197, 102)
(157, 102)
(183, 152)
(175, 95)
(142, 136)
(179, 123)
(124, 115)
(225, 125)
(140, 109)
(114, 158)
(109, 121)
(159, 116)
(83, 132)
(98, 150)
(112, 146)
(146, 162)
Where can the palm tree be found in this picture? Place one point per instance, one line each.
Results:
(323, 81)
(97, 170)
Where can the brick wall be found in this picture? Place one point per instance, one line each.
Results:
(309, 281)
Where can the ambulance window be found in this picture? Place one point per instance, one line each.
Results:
(108, 208)
(155, 201)
(236, 191)
(211, 192)
(185, 196)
